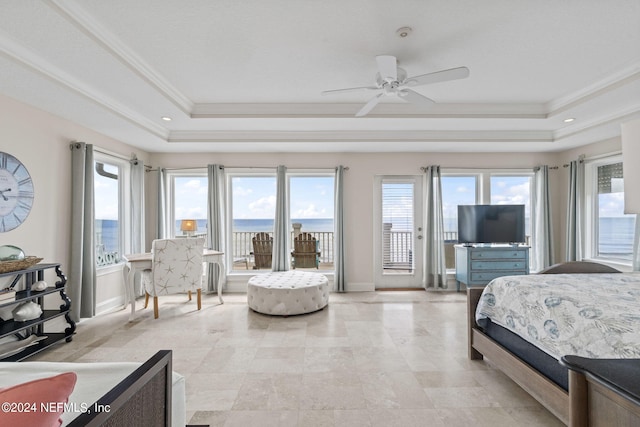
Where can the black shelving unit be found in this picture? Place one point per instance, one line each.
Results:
(24, 330)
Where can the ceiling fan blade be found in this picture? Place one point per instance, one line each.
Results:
(438, 76)
(351, 89)
(388, 67)
(369, 105)
(415, 98)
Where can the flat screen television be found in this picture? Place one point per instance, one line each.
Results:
(491, 224)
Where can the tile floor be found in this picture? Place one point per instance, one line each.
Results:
(392, 358)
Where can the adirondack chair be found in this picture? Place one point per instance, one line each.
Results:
(305, 251)
(262, 250)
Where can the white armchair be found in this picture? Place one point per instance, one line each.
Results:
(176, 267)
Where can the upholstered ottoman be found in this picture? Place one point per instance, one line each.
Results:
(284, 293)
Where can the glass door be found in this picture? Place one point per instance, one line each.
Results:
(398, 231)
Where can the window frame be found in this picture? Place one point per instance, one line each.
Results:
(124, 204)
(171, 192)
(591, 207)
(231, 173)
(483, 180)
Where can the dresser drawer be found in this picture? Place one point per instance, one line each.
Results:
(501, 254)
(498, 265)
(483, 277)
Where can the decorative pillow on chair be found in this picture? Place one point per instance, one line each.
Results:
(21, 403)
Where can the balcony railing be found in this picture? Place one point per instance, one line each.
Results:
(243, 247)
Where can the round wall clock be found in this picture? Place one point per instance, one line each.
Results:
(16, 192)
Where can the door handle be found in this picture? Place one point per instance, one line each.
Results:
(419, 237)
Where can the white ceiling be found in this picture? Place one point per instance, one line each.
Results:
(246, 76)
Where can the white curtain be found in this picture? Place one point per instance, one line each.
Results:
(575, 212)
(280, 259)
(137, 215)
(435, 272)
(215, 223)
(541, 233)
(636, 246)
(338, 238)
(82, 265)
(161, 230)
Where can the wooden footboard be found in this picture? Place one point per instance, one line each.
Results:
(141, 399)
(589, 401)
(550, 395)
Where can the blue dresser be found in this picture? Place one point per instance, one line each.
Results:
(479, 264)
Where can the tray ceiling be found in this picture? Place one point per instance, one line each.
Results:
(246, 76)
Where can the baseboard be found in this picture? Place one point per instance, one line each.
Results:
(360, 287)
(110, 305)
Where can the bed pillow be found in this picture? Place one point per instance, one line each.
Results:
(35, 403)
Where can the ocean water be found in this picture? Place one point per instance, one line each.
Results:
(308, 224)
(616, 235)
(616, 232)
(255, 225)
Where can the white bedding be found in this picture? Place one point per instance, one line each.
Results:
(94, 380)
(589, 315)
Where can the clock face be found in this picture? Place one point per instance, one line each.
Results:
(16, 192)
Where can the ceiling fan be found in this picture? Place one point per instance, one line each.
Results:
(392, 80)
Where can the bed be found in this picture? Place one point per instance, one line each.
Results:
(123, 393)
(523, 338)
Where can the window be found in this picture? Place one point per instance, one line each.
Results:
(456, 190)
(189, 190)
(252, 210)
(513, 190)
(610, 231)
(311, 200)
(110, 174)
(482, 187)
(397, 226)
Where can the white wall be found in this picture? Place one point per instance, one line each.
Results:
(41, 142)
(358, 185)
(609, 146)
(631, 155)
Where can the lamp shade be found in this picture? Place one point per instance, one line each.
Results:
(630, 157)
(188, 225)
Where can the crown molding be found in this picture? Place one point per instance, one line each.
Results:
(617, 117)
(609, 83)
(26, 58)
(348, 110)
(110, 42)
(359, 136)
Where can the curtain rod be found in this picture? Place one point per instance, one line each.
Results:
(100, 150)
(239, 167)
(424, 168)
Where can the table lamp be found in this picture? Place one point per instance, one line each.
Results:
(188, 226)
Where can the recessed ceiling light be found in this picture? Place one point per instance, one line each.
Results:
(166, 118)
(569, 120)
(403, 32)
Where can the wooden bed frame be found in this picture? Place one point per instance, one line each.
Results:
(141, 399)
(588, 402)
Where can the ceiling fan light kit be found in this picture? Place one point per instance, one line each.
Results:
(392, 80)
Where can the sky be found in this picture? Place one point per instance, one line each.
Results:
(255, 197)
(312, 197)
